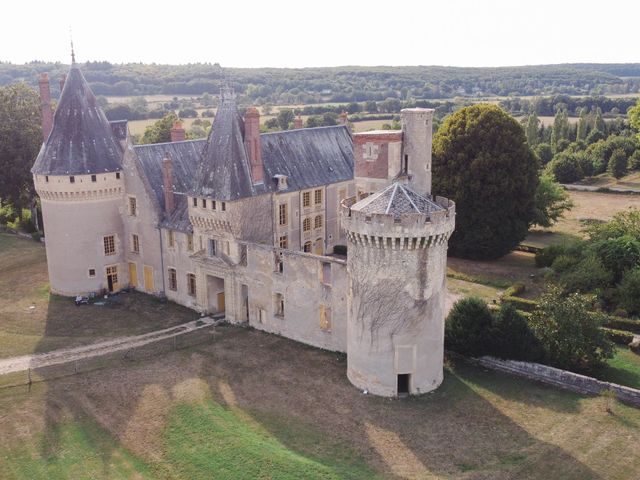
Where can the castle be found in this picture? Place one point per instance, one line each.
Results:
(243, 224)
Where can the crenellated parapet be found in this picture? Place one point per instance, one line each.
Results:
(403, 231)
(79, 188)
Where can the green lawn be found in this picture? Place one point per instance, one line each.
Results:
(623, 369)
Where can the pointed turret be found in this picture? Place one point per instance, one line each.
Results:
(224, 170)
(81, 141)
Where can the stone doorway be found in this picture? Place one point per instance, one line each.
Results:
(216, 301)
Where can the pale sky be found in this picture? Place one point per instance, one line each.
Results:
(288, 33)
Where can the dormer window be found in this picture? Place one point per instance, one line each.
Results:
(281, 181)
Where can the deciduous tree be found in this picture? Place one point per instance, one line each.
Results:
(482, 161)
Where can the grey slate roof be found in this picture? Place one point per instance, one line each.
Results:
(309, 157)
(119, 129)
(396, 199)
(184, 158)
(81, 141)
(224, 171)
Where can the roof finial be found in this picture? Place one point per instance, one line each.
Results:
(73, 53)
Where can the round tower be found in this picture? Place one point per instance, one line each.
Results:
(78, 176)
(397, 272)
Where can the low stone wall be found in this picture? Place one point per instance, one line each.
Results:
(560, 378)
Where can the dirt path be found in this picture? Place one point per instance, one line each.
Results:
(18, 364)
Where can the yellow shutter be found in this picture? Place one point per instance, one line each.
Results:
(148, 278)
(133, 275)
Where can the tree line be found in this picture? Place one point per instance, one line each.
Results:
(339, 84)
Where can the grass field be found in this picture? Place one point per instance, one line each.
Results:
(630, 181)
(623, 369)
(251, 405)
(588, 206)
(55, 322)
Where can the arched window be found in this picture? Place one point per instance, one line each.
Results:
(318, 221)
(307, 247)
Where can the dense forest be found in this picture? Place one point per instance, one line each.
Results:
(281, 86)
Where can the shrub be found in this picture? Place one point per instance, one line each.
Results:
(629, 291)
(620, 337)
(546, 256)
(564, 262)
(468, 327)
(634, 160)
(617, 166)
(618, 254)
(565, 168)
(515, 289)
(512, 337)
(522, 304)
(569, 332)
(587, 275)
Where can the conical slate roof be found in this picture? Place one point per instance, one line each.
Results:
(396, 199)
(224, 171)
(81, 141)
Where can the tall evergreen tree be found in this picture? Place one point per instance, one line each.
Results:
(581, 133)
(532, 130)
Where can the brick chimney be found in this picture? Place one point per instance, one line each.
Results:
(343, 118)
(252, 143)
(297, 122)
(45, 106)
(167, 175)
(177, 132)
(63, 79)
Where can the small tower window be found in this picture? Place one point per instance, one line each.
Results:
(307, 247)
(405, 164)
(92, 272)
(46, 178)
(195, 202)
(223, 206)
(117, 175)
(94, 178)
(204, 203)
(72, 179)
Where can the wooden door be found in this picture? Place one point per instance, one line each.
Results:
(221, 306)
(148, 278)
(319, 247)
(133, 275)
(112, 278)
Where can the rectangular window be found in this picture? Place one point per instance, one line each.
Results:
(318, 221)
(306, 199)
(282, 214)
(173, 279)
(171, 238)
(211, 247)
(191, 284)
(213, 204)
(92, 272)
(117, 175)
(306, 225)
(46, 178)
(284, 241)
(279, 262)
(135, 243)
(262, 315)
(317, 197)
(223, 206)
(189, 242)
(204, 203)
(133, 207)
(307, 247)
(278, 306)
(195, 202)
(93, 178)
(109, 245)
(325, 318)
(72, 179)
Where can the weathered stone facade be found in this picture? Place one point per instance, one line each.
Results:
(243, 224)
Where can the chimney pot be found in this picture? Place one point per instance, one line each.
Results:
(167, 175)
(45, 105)
(178, 133)
(252, 143)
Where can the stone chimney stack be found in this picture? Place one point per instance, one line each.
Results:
(63, 79)
(252, 143)
(45, 105)
(297, 122)
(178, 133)
(167, 175)
(343, 118)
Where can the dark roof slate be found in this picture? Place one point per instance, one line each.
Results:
(309, 157)
(81, 141)
(396, 199)
(184, 158)
(224, 171)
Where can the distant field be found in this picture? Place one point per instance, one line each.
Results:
(369, 125)
(631, 181)
(588, 206)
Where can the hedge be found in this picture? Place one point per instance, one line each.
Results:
(520, 303)
(626, 324)
(618, 336)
